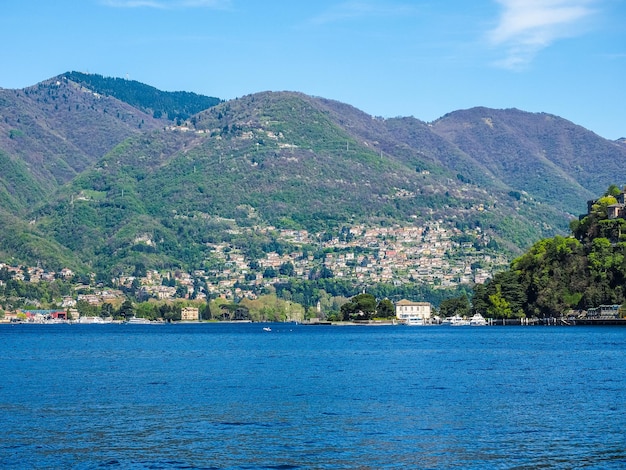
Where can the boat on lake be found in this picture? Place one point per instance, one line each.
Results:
(478, 320)
(139, 321)
(415, 321)
(456, 320)
(91, 320)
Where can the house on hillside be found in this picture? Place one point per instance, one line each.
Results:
(614, 211)
(618, 210)
(407, 311)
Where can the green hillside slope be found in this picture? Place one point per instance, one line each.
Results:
(98, 182)
(271, 159)
(541, 154)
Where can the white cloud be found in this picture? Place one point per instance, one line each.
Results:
(361, 9)
(167, 4)
(527, 26)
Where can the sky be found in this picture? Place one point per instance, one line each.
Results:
(389, 58)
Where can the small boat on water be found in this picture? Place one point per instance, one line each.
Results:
(91, 320)
(478, 320)
(267, 328)
(139, 321)
(456, 320)
(415, 321)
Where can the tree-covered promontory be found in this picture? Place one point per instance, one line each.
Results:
(583, 271)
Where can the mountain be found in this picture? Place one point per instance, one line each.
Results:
(113, 186)
(542, 154)
(61, 126)
(57, 129)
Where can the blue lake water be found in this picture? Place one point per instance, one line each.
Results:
(235, 396)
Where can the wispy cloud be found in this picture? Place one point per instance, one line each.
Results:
(361, 9)
(167, 4)
(528, 26)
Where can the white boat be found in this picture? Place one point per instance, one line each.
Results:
(267, 328)
(415, 321)
(90, 320)
(456, 320)
(478, 320)
(138, 321)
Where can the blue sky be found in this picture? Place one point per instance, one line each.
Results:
(386, 57)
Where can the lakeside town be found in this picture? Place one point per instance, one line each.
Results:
(433, 254)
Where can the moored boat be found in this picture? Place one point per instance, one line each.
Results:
(478, 320)
(90, 320)
(139, 321)
(456, 320)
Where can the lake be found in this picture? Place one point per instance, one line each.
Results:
(222, 396)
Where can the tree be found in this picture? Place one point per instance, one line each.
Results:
(287, 269)
(205, 313)
(126, 310)
(140, 270)
(613, 190)
(499, 307)
(455, 306)
(85, 309)
(106, 310)
(326, 273)
(385, 309)
(269, 273)
(147, 310)
(360, 307)
(181, 291)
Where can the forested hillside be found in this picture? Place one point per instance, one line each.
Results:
(271, 159)
(173, 105)
(539, 153)
(583, 271)
(56, 129)
(96, 178)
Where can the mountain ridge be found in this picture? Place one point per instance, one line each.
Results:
(284, 159)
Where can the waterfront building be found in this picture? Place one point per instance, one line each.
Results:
(407, 310)
(189, 314)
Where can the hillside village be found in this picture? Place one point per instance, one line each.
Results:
(430, 254)
(367, 255)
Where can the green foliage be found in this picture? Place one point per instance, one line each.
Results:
(18, 188)
(498, 305)
(562, 273)
(385, 309)
(360, 307)
(160, 198)
(17, 294)
(126, 310)
(174, 105)
(271, 308)
(455, 306)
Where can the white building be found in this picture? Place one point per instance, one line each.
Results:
(407, 311)
(189, 314)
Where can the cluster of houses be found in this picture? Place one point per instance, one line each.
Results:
(406, 312)
(188, 314)
(367, 255)
(430, 254)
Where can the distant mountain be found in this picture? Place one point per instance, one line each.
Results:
(114, 186)
(542, 154)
